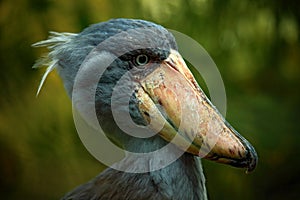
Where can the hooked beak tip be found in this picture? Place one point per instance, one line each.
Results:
(249, 161)
(252, 159)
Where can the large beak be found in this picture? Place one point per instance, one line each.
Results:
(171, 96)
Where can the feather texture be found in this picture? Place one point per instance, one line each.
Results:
(52, 43)
(184, 178)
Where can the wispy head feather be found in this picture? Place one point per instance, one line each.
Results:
(53, 43)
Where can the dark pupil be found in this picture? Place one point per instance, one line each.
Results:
(142, 59)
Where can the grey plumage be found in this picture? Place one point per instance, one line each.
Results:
(69, 50)
(182, 179)
(122, 40)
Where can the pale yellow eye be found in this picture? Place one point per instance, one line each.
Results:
(141, 60)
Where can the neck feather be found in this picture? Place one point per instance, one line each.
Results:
(182, 179)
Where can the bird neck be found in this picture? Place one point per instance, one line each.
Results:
(174, 174)
(182, 179)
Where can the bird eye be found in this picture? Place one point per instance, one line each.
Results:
(141, 60)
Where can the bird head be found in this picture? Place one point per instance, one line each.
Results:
(145, 84)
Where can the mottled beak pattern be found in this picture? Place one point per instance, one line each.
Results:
(170, 95)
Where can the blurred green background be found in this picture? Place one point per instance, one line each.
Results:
(255, 44)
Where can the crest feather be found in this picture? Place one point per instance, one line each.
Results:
(53, 43)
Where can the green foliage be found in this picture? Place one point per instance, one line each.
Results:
(255, 44)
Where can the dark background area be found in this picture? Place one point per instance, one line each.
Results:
(255, 44)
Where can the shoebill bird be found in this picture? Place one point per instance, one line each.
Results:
(163, 90)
